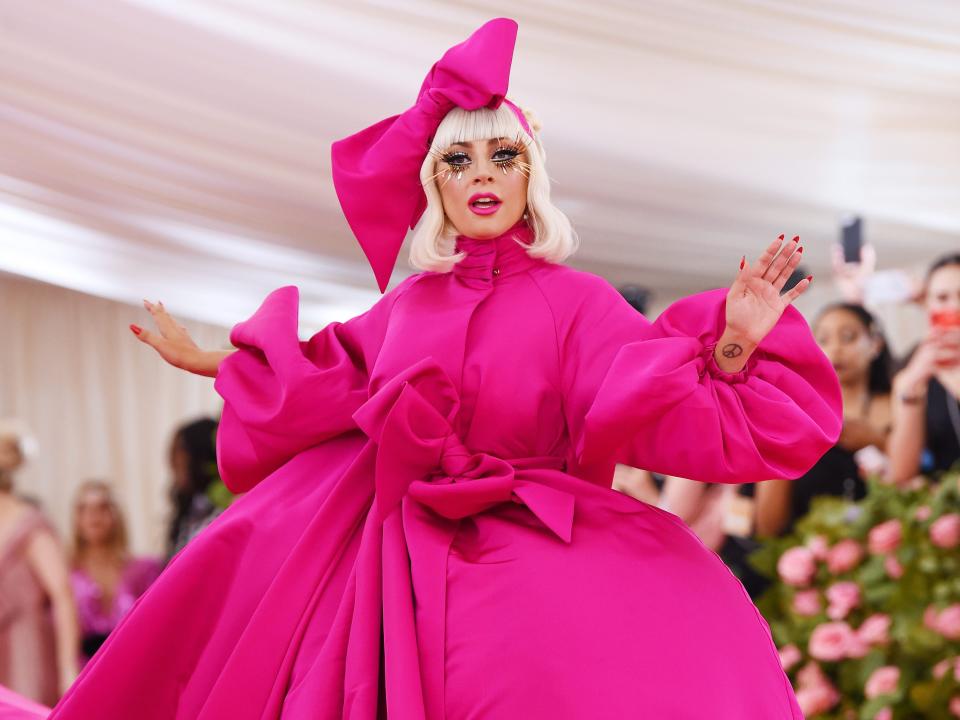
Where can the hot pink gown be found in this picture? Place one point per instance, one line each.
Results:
(429, 531)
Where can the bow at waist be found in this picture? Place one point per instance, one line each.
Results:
(411, 419)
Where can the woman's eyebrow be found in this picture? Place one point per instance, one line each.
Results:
(468, 145)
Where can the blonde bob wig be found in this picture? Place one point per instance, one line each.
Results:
(433, 244)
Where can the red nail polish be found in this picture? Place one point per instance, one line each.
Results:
(781, 237)
(743, 261)
(136, 329)
(796, 238)
(809, 278)
(800, 249)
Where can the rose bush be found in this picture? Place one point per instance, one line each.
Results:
(866, 605)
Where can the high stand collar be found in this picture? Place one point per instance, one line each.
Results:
(490, 259)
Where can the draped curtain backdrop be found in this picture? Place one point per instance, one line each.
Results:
(99, 403)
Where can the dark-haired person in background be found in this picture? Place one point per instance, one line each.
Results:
(926, 432)
(850, 337)
(193, 460)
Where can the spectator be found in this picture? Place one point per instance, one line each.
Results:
(38, 620)
(193, 460)
(926, 431)
(106, 579)
(850, 337)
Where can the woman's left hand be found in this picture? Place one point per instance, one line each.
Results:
(754, 302)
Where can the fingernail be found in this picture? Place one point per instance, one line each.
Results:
(136, 329)
(796, 238)
(743, 261)
(809, 278)
(781, 237)
(800, 249)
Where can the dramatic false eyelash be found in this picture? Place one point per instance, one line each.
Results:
(448, 158)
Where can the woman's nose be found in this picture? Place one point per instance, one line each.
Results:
(484, 172)
(482, 177)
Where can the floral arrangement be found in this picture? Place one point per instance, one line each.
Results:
(866, 607)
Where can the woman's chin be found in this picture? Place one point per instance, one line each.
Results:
(485, 228)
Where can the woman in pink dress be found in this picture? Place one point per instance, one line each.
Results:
(106, 580)
(38, 623)
(428, 529)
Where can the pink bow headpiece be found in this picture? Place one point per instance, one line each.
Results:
(376, 172)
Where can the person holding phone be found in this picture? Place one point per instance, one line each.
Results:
(926, 412)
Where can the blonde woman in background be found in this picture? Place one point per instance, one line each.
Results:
(106, 579)
(38, 620)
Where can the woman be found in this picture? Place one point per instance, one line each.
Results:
(851, 338)
(38, 622)
(106, 580)
(428, 528)
(193, 460)
(926, 416)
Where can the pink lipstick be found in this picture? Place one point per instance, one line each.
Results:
(484, 203)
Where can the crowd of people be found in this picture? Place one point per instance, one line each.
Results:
(60, 600)
(61, 597)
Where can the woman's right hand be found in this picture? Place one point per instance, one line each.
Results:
(174, 344)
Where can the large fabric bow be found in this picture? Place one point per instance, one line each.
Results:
(419, 454)
(376, 172)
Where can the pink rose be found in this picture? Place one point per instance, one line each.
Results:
(819, 546)
(817, 699)
(843, 597)
(810, 674)
(955, 705)
(844, 556)
(789, 656)
(922, 513)
(885, 537)
(948, 622)
(930, 617)
(893, 567)
(875, 630)
(807, 603)
(856, 647)
(829, 641)
(884, 714)
(945, 665)
(815, 693)
(796, 566)
(883, 681)
(945, 531)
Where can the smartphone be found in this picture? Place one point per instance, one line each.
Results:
(851, 238)
(796, 276)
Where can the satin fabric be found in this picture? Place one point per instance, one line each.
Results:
(428, 530)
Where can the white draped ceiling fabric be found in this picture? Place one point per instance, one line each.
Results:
(180, 148)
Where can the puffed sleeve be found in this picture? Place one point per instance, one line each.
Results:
(283, 395)
(652, 395)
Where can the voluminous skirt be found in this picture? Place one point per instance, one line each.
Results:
(263, 616)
